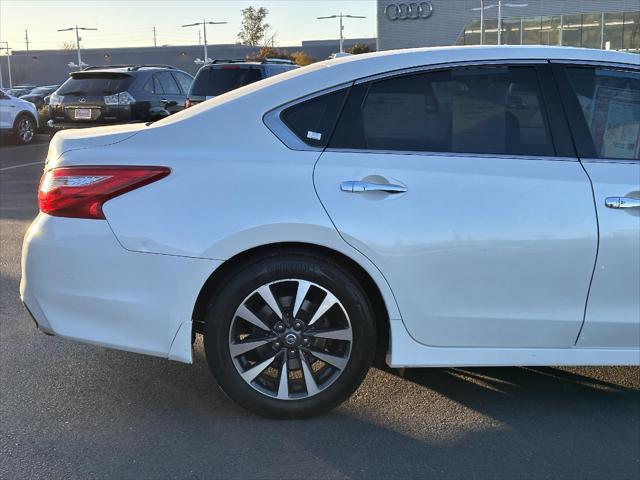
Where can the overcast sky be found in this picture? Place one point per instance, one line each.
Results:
(130, 23)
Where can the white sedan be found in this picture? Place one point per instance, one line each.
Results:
(18, 118)
(430, 207)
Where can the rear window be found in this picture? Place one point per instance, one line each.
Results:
(95, 84)
(210, 82)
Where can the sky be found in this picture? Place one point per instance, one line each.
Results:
(130, 23)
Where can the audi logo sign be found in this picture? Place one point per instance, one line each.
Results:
(408, 11)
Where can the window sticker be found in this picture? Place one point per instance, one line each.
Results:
(614, 121)
(314, 135)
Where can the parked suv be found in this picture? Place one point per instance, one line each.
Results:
(18, 118)
(38, 94)
(118, 94)
(222, 76)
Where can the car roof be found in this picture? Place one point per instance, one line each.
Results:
(300, 82)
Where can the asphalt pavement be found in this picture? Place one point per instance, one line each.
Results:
(78, 411)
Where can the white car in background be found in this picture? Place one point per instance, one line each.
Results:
(18, 118)
(434, 207)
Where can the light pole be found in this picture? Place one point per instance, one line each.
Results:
(204, 24)
(500, 4)
(77, 28)
(6, 47)
(341, 16)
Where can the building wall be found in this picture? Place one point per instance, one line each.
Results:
(43, 67)
(449, 18)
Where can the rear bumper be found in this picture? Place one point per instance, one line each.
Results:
(79, 282)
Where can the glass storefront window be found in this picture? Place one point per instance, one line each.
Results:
(631, 32)
(490, 32)
(613, 31)
(571, 34)
(550, 30)
(472, 33)
(531, 27)
(591, 30)
(511, 31)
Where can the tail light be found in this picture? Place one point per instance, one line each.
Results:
(187, 103)
(80, 192)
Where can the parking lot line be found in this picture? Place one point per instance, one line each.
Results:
(21, 165)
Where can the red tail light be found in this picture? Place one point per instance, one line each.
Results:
(80, 192)
(187, 103)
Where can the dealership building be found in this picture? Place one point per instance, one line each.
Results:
(605, 24)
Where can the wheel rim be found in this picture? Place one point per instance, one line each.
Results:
(290, 339)
(25, 130)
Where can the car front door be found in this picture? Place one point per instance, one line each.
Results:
(466, 193)
(604, 105)
(6, 111)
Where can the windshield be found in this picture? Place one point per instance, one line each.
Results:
(95, 84)
(210, 82)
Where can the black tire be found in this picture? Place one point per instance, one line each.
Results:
(261, 271)
(24, 129)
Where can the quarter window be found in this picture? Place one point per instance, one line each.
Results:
(610, 103)
(313, 120)
(184, 81)
(168, 84)
(493, 110)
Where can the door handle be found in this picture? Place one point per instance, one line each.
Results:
(355, 186)
(164, 100)
(622, 202)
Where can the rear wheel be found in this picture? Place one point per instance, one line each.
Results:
(290, 336)
(24, 129)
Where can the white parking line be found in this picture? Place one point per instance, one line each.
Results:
(21, 165)
(18, 147)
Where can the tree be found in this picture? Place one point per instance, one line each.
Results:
(268, 52)
(302, 58)
(359, 48)
(68, 46)
(253, 28)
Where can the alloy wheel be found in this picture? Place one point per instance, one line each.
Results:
(25, 130)
(290, 339)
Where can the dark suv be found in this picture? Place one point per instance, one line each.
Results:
(221, 76)
(118, 94)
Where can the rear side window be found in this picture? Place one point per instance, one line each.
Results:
(489, 110)
(184, 80)
(95, 84)
(210, 82)
(168, 84)
(313, 120)
(610, 103)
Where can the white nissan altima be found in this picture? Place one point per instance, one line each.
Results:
(433, 207)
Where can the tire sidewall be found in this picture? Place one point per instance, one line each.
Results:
(328, 275)
(16, 127)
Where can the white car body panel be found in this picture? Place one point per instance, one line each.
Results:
(613, 312)
(230, 191)
(11, 108)
(479, 252)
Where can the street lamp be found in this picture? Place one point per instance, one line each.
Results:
(6, 47)
(341, 16)
(204, 24)
(77, 28)
(500, 4)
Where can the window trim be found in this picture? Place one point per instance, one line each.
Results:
(561, 151)
(274, 122)
(585, 148)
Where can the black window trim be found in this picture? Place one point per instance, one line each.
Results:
(561, 143)
(274, 122)
(585, 148)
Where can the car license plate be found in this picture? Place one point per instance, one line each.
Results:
(82, 114)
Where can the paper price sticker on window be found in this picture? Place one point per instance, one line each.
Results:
(314, 135)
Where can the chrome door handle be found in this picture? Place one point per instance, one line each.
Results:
(354, 186)
(622, 202)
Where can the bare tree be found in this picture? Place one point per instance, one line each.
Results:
(254, 28)
(68, 46)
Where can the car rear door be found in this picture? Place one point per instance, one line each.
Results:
(603, 103)
(465, 192)
(6, 111)
(172, 98)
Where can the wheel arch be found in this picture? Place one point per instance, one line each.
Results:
(380, 295)
(24, 113)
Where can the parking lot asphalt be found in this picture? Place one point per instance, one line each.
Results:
(77, 411)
